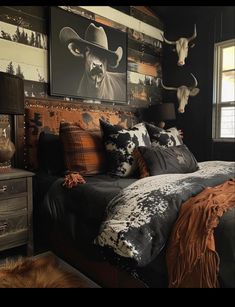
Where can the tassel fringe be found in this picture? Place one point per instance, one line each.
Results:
(72, 180)
(192, 260)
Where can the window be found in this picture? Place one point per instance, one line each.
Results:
(224, 91)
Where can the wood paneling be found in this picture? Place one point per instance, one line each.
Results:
(145, 15)
(144, 69)
(29, 17)
(144, 63)
(144, 53)
(110, 23)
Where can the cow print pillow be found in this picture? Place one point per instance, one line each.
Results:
(120, 144)
(164, 138)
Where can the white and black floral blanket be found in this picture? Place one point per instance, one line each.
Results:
(140, 218)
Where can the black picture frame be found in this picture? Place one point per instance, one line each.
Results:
(75, 41)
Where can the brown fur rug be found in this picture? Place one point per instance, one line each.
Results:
(42, 272)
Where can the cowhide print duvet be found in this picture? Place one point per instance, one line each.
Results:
(140, 218)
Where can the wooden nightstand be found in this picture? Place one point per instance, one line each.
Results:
(16, 209)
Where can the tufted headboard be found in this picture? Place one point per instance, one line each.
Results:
(44, 115)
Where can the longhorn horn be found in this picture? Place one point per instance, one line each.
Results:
(194, 34)
(166, 40)
(168, 88)
(195, 80)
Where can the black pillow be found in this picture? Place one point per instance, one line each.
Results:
(50, 154)
(175, 159)
(162, 137)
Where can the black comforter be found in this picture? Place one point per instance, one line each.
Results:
(86, 204)
(81, 209)
(140, 218)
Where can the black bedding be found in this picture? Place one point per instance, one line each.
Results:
(95, 195)
(139, 220)
(42, 183)
(80, 211)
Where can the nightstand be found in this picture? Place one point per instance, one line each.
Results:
(16, 209)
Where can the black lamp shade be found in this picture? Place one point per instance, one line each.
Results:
(11, 94)
(165, 111)
(161, 112)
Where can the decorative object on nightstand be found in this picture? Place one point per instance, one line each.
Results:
(16, 209)
(11, 103)
(161, 112)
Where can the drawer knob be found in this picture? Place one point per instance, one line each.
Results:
(3, 226)
(3, 189)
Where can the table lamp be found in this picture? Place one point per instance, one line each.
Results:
(11, 103)
(161, 112)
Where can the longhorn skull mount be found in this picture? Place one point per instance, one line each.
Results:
(182, 45)
(183, 93)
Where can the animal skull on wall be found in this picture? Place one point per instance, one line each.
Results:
(182, 45)
(183, 93)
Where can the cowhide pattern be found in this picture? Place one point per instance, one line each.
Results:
(161, 137)
(120, 144)
(167, 138)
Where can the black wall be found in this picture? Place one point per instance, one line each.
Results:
(214, 24)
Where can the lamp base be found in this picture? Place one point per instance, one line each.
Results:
(161, 124)
(7, 150)
(5, 167)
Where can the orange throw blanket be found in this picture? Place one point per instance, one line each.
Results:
(192, 260)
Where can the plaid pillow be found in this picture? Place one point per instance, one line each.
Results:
(142, 167)
(83, 150)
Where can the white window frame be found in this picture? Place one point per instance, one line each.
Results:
(217, 85)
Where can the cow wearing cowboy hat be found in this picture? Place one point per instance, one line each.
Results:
(97, 81)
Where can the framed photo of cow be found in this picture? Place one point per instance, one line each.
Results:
(88, 60)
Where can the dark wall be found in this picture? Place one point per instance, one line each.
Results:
(214, 24)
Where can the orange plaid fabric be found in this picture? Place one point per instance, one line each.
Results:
(83, 150)
(143, 170)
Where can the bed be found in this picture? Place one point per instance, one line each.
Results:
(73, 221)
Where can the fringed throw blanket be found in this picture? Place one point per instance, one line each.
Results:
(140, 218)
(192, 260)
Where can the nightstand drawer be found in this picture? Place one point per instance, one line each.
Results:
(10, 205)
(16, 209)
(12, 187)
(13, 239)
(13, 223)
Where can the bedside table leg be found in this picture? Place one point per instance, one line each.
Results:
(30, 218)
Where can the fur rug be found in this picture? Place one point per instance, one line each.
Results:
(42, 272)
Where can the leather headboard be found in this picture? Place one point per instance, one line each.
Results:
(46, 116)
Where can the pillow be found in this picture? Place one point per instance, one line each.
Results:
(175, 159)
(50, 154)
(141, 165)
(83, 150)
(120, 144)
(165, 138)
